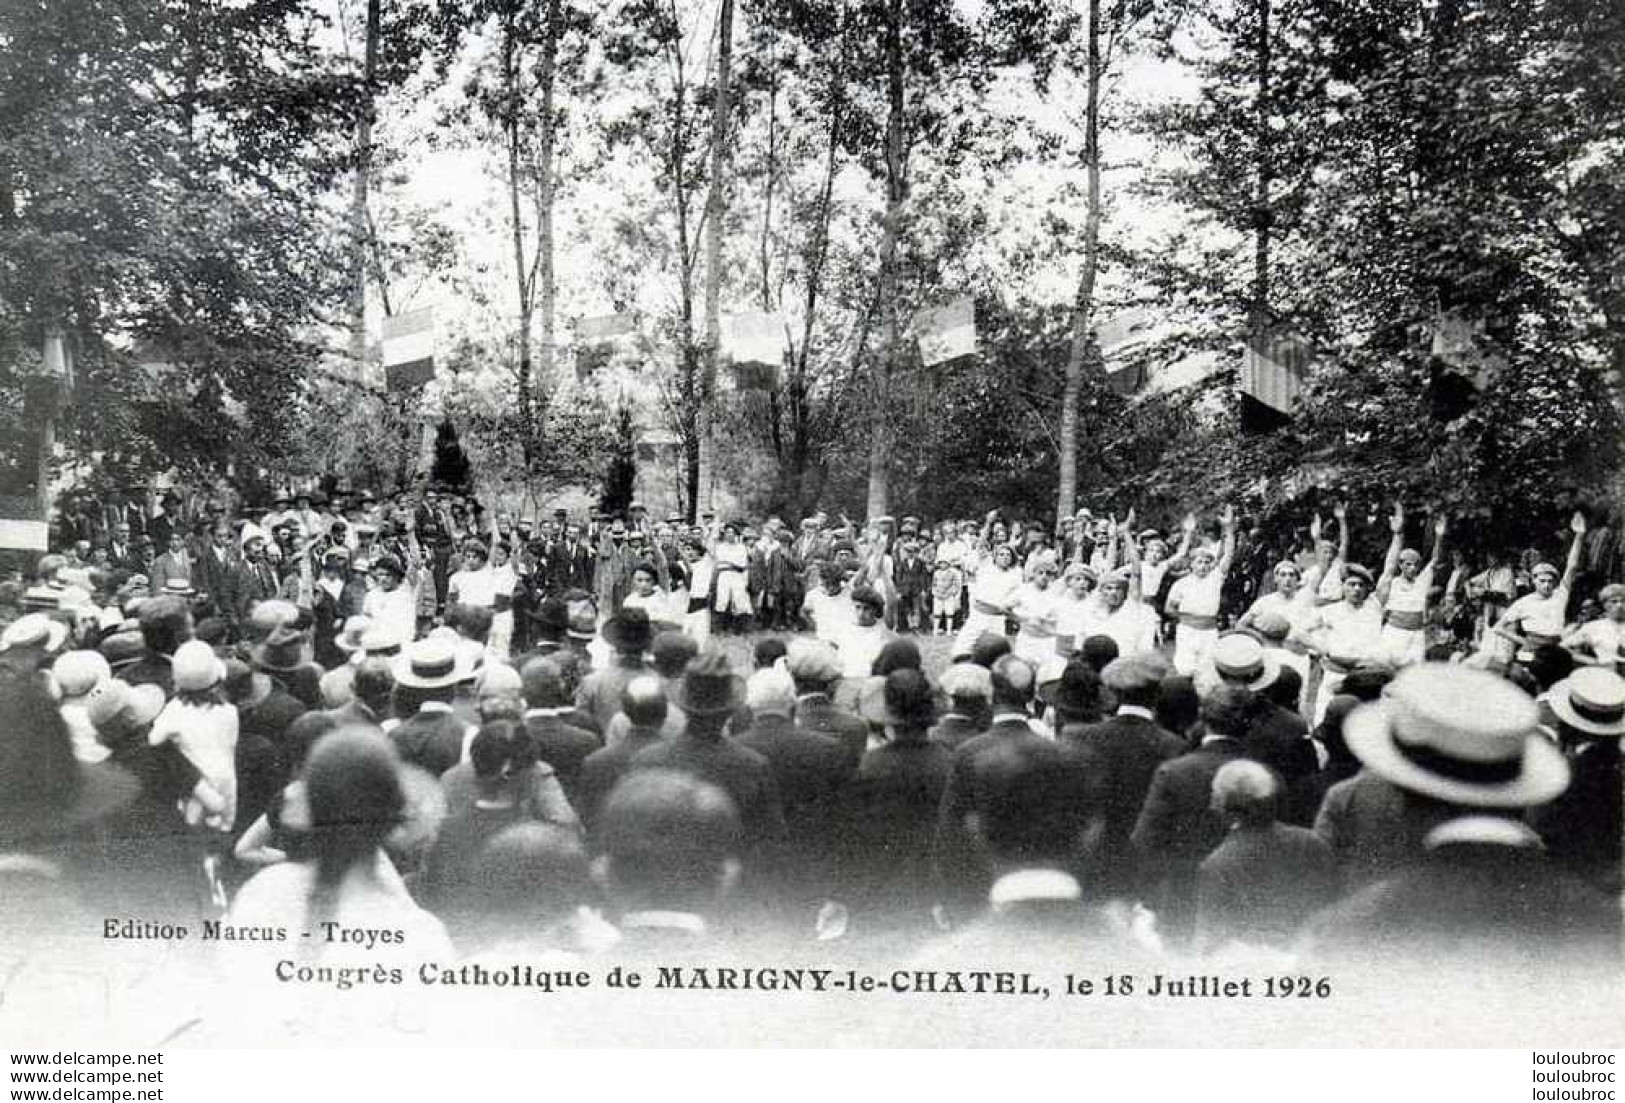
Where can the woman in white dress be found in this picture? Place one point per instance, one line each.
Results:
(1035, 604)
(1537, 619)
(997, 577)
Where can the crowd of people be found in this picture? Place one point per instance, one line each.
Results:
(495, 734)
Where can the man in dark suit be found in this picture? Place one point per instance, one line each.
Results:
(1030, 804)
(1261, 885)
(1177, 826)
(816, 671)
(891, 817)
(644, 704)
(969, 690)
(561, 744)
(430, 735)
(670, 846)
(217, 567)
(1277, 736)
(256, 579)
(962, 874)
(709, 696)
(1120, 755)
(810, 771)
(1484, 902)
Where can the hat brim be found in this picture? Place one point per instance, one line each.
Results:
(1543, 774)
(56, 634)
(1557, 698)
(735, 699)
(401, 667)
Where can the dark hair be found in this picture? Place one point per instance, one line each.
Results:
(1286, 688)
(491, 752)
(166, 623)
(1178, 705)
(353, 786)
(668, 836)
(1098, 651)
(1229, 710)
(898, 654)
(373, 683)
(769, 650)
(1031, 801)
(472, 622)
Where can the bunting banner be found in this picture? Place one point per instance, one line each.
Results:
(595, 340)
(1459, 342)
(1273, 367)
(1123, 332)
(409, 349)
(753, 342)
(657, 447)
(946, 332)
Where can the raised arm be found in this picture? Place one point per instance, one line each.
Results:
(1436, 558)
(1577, 525)
(1341, 512)
(1227, 548)
(1131, 557)
(1187, 531)
(1390, 561)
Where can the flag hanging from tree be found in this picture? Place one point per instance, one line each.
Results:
(596, 338)
(753, 342)
(946, 332)
(409, 349)
(1118, 338)
(1273, 366)
(657, 447)
(1459, 341)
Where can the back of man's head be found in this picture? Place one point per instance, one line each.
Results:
(644, 702)
(472, 622)
(1013, 683)
(1247, 792)
(166, 623)
(374, 682)
(1030, 802)
(1229, 710)
(669, 841)
(545, 686)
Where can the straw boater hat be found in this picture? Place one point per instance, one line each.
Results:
(34, 630)
(178, 587)
(1462, 736)
(354, 631)
(431, 664)
(1591, 700)
(1240, 657)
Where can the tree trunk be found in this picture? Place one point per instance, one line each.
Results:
(1083, 305)
(879, 495)
(360, 223)
(523, 287)
(1262, 214)
(545, 291)
(716, 208)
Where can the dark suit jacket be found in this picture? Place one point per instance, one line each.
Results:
(818, 714)
(890, 827)
(1177, 829)
(953, 730)
(564, 746)
(1261, 885)
(1371, 828)
(254, 583)
(1279, 739)
(1506, 914)
(741, 773)
(603, 768)
(963, 875)
(810, 771)
(1120, 755)
(1582, 828)
(430, 740)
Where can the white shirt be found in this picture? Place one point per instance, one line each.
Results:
(1540, 615)
(395, 610)
(473, 588)
(1198, 597)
